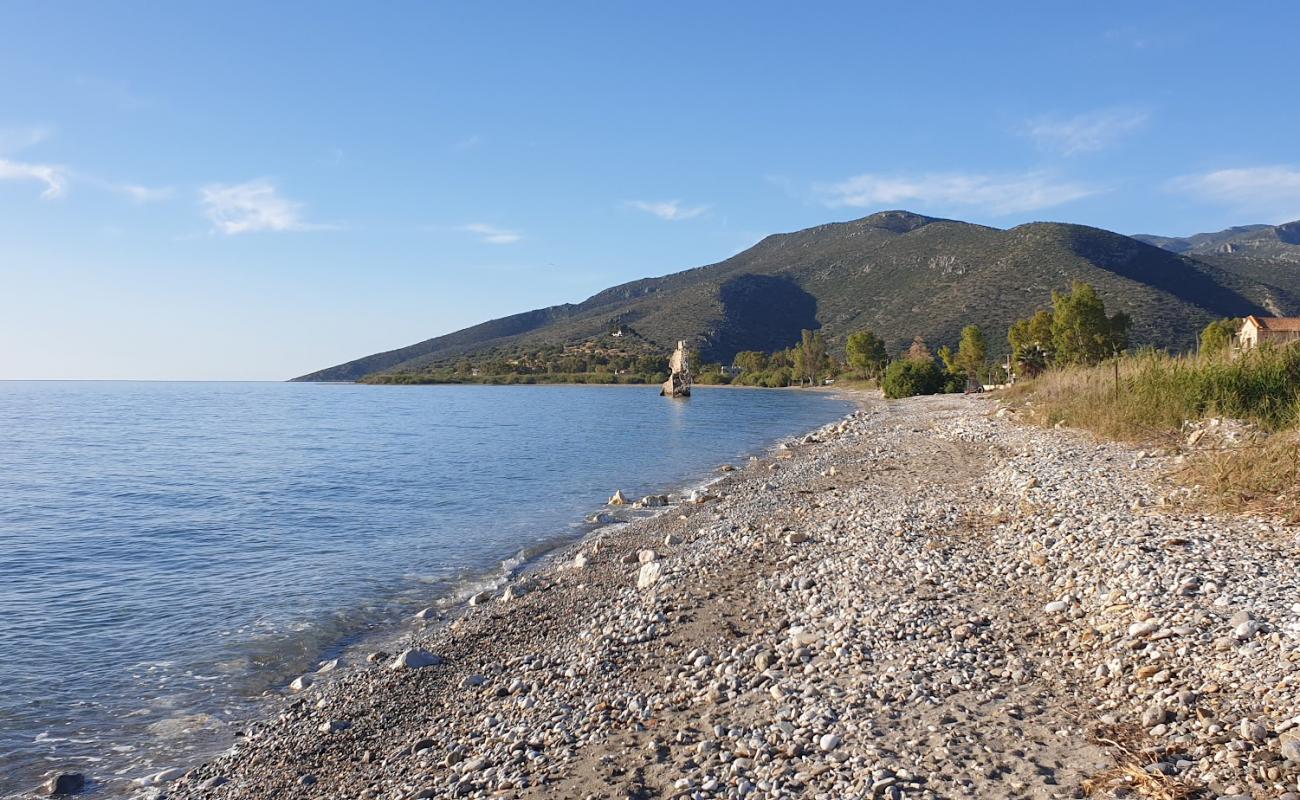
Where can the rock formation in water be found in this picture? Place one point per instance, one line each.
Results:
(679, 382)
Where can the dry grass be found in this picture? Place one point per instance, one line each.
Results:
(1147, 397)
(1260, 478)
(1130, 771)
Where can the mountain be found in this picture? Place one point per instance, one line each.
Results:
(1280, 242)
(899, 274)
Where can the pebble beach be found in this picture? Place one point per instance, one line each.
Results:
(926, 599)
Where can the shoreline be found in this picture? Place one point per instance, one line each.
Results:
(441, 607)
(917, 600)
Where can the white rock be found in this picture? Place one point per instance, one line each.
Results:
(479, 598)
(646, 556)
(580, 561)
(649, 575)
(415, 659)
(829, 742)
(1056, 606)
(334, 726)
(300, 683)
(166, 776)
(1142, 628)
(618, 499)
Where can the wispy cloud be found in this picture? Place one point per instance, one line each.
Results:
(490, 234)
(14, 139)
(1086, 133)
(54, 177)
(251, 207)
(992, 193)
(671, 210)
(1272, 192)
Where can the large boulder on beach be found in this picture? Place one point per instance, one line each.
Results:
(618, 499)
(415, 659)
(64, 783)
(649, 574)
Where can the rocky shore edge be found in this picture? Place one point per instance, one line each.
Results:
(924, 599)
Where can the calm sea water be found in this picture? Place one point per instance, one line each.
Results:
(170, 552)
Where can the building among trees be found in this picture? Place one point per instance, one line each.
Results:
(1273, 330)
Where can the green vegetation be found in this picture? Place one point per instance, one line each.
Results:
(912, 376)
(1217, 336)
(594, 361)
(810, 359)
(865, 353)
(1075, 332)
(1156, 392)
(804, 364)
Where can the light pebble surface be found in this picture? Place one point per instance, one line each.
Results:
(925, 600)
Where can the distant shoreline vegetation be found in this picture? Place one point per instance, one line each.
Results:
(514, 379)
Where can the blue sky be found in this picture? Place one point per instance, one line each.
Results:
(257, 190)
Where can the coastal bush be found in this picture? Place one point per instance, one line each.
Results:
(912, 376)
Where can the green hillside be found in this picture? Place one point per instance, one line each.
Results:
(898, 273)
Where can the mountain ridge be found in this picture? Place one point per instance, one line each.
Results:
(899, 273)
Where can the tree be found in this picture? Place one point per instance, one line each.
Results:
(948, 359)
(1081, 331)
(866, 353)
(1217, 336)
(918, 351)
(750, 361)
(972, 352)
(1031, 343)
(810, 357)
(912, 376)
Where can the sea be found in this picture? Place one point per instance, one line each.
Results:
(172, 555)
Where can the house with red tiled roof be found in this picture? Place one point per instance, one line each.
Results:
(1273, 330)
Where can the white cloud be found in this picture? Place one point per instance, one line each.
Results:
(1086, 133)
(250, 207)
(996, 194)
(671, 210)
(490, 234)
(1273, 192)
(55, 178)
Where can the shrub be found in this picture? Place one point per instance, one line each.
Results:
(912, 376)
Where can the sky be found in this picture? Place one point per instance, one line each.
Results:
(253, 191)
